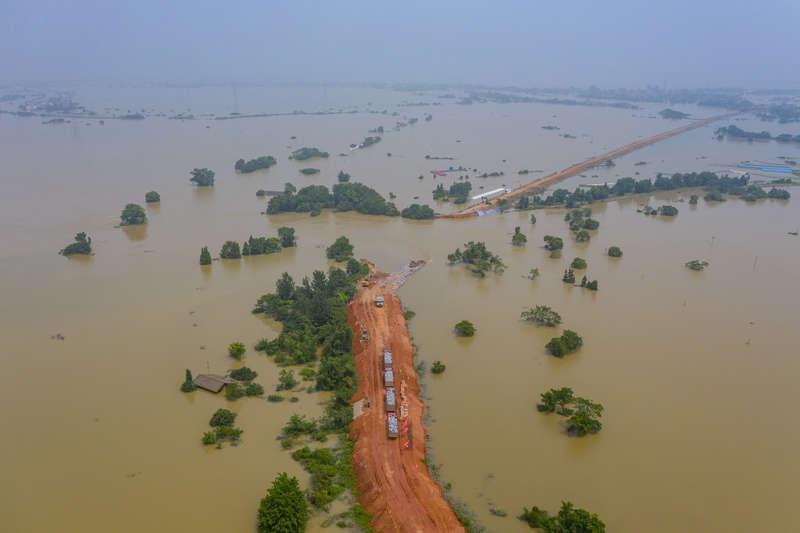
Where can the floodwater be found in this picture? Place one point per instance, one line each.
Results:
(696, 370)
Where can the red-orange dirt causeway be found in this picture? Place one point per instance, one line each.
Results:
(583, 166)
(393, 482)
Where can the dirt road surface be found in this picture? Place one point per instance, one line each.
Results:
(394, 484)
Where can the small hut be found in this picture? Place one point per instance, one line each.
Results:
(210, 382)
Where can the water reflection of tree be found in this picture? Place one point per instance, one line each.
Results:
(136, 232)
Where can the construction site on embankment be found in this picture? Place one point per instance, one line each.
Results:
(394, 484)
(582, 166)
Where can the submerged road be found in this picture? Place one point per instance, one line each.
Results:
(577, 168)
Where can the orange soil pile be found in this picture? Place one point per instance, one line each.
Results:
(583, 166)
(394, 484)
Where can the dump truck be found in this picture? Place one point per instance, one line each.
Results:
(379, 301)
(390, 400)
(387, 359)
(388, 378)
(392, 426)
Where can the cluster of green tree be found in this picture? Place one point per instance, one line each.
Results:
(133, 215)
(583, 415)
(587, 284)
(369, 141)
(81, 246)
(309, 171)
(523, 204)
(301, 154)
(341, 250)
(568, 342)
(672, 114)
(623, 186)
(202, 177)
(438, 367)
(234, 391)
(152, 197)
(737, 133)
(261, 245)
(253, 246)
(519, 238)
(222, 423)
(345, 197)
(614, 251)
(314, 315)
(580, 220)
(542, 315)
(477, 259)
(418, 212)
(284, 508)
(464, 328)
(458, 192)
(286, 380)
(696, 264)
(568, 520)
(244, 374)
(245, 167)
(343, 176)
(331, 472)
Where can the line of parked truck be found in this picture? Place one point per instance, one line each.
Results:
(390, 398)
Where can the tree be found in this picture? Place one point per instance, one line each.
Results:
(592, 285)
(668, 210)
(285, 286)
(693, 199)
(578, 263)
(533, 218)
(81, 246)
(244, 167)
(568, 342)
(233, 391)
(236, 350)
(188, 382)
(341, 250)
(133, 215)
(477, 258)
(533, 274)
(556, 400)
(202, 177)
(205, 256)
(614, 251)
(553, 243)
(438, 367)
(343, 176)
(569, 276)
(152, 197)
(230, 250)
(542, 315)
(582, 236)
(243, 374)
(584, 418)
(286, 380)
(253, 389)
(418, 212)
(465, 328)
(286, 236)
(301, 154)
(568, 520)
(518, 239)
(222, 418)
(284, 509)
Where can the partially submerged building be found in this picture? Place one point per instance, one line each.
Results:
(211, 382)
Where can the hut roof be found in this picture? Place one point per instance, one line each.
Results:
(210, 382)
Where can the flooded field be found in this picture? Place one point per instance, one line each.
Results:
(696, 370)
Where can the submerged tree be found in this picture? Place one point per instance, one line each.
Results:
(542, 315)
(152, 197)
(188, 382)
(578, 263)
(236, 350)
(230, 250)
(553, 243)
(568, 342)
(202, 177)
(569, 276)
(438, 367)
(81, 246)
(133, 215)
(518, 239)
(286, 236)
(614, 251)
(465, 328)
(205, 256)
(568, 520)
(477, 259)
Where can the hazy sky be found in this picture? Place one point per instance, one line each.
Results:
(696, 43)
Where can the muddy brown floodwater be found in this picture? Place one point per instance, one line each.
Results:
(697, 370)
